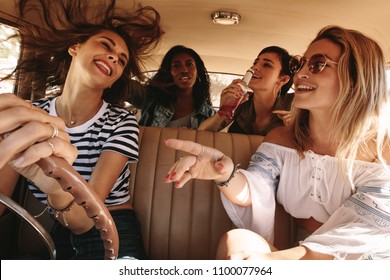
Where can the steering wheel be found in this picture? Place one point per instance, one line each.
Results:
(72, 182)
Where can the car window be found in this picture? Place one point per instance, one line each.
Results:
(9, 54)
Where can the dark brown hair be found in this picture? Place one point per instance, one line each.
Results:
(65, 23)
(162, 85)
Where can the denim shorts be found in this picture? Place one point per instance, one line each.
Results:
(89, 246)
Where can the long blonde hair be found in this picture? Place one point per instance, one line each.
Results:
(361, 110)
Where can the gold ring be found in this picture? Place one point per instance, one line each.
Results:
(201, 152)
(55, 130)
(51, 146)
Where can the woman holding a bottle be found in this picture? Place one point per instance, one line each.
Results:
(266, 106)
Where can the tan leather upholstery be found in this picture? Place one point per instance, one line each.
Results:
(187, 223)
(182, 223)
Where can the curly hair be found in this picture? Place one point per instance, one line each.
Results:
(163, 87)
(65, 23)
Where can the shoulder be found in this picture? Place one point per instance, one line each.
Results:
(114, 109)
(206, 109)
(43, 103)
(280, 135)
(118, 114)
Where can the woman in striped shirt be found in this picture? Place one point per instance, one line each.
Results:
(92, 63)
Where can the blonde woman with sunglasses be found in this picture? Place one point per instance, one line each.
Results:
(329, 169)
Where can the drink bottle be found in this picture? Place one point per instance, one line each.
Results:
(227, 110)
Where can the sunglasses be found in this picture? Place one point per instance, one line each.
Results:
(316, 63)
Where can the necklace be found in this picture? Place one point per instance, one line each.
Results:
(69, 119)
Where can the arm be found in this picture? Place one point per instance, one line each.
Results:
(214, 123)
(103, 178)
(120, 148)
(106, 172)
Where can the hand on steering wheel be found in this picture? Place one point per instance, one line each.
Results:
(73, 183)
(30, 138)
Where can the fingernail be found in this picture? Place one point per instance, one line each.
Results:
(219, 165)
(18, 162)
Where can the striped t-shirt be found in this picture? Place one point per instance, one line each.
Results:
(113, 128)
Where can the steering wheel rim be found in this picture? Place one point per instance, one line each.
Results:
(26, 216)
(72, 182)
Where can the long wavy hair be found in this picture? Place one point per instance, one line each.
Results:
(361, 111)
(65, 23)
(163, 87)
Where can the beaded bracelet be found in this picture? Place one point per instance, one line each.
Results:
(62, 211)
(226, 183)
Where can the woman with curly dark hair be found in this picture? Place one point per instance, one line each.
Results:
(178, 95)
(89, 51)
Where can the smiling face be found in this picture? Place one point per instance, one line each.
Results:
(183, 71)
(318, 91)
(267, 67)
(101, 59)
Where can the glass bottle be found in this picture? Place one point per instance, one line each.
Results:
(227, 110)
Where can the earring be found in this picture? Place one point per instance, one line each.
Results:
(280, 93)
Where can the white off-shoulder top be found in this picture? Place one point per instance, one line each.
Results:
(355, 211)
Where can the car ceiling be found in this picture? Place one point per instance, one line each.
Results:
(291, 24)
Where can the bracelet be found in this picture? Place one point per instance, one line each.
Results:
(62, 211)
(226, 183)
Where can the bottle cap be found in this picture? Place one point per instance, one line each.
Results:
(248, 76)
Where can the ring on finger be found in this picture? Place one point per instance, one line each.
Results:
(201, 152)
(51, 146)
(55, 130)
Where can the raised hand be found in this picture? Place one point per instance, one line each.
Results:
(234, 90)
(201, 163)
(285, 116)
